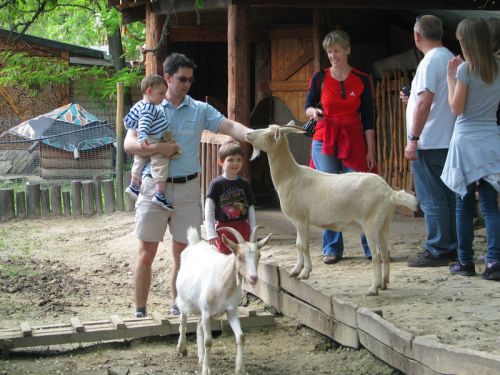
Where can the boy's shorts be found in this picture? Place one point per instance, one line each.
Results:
(151, 220)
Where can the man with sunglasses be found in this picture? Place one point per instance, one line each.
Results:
(429, 123)
(187, 118)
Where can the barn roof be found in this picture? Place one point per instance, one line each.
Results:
(74, 50)
(449, 11)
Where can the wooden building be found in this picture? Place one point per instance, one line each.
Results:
(250, 50)
(15, 103)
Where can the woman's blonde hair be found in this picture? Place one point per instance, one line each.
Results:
(494, 26)
(475, 40)
(337, 37)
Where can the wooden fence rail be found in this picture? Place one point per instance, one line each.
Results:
(90, 197)
(85, 198)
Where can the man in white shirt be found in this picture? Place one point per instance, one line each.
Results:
(429, 126)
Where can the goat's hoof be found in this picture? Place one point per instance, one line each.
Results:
(372, 291)
(303, 275)
(383, 286)
(294, 273)
(182, 352)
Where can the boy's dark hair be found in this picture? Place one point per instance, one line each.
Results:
(230, 148)
(153, 80)
(175, 61)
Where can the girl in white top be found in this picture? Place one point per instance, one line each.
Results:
(474, 153)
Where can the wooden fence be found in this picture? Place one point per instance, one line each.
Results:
(391, 131)
(96, 196)
(88, 197)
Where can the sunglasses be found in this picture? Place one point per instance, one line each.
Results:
(342, 90)
(184, 79)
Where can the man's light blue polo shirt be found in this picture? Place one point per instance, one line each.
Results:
(187, 123)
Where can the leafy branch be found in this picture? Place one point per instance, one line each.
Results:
(34, 73)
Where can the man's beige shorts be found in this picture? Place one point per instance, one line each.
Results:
(151, 220)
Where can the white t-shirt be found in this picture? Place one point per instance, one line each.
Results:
(431, 76)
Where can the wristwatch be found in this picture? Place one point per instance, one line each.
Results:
(412, 137)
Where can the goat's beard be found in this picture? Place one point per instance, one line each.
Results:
(255, 154)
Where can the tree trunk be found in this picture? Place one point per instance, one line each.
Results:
(116, 52)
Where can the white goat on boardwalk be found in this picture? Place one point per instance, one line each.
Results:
(209, 284)
(360, 201)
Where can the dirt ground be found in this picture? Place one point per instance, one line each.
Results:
(456, 310)
(55, 269)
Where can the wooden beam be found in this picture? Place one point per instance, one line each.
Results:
(154, 26)
(380, 4)
(238, 101)
(289, 86)
(198, 34)
(135, 14)
(292, 32)
(318, 31)
(12, 103)
(166, 7)
(295, 65)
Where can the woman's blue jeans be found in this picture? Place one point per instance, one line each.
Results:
(333, 243)
(488, 205)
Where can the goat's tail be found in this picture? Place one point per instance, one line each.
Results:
(402, 198)
(193, 236)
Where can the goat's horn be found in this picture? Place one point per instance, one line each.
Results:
(234, 232)
(253, 236)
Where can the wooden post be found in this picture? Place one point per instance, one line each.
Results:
(154, 26)
(21, 204)
(34, 209)
(7, 204)
(238, 101)
(109, 196)
(76, 197)
(55, 195)
(45, 202)
(318, 31)
(129, 202)
(67, 203)
(119, 146)
(88, 197)
(98, 194)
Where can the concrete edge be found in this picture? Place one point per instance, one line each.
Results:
(351, 325)
(449, 359)
(384, 331)
(305, 291)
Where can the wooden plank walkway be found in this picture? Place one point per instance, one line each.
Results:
(115, 328)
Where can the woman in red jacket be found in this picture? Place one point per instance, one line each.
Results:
(344, 138)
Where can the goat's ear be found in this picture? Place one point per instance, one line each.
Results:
(290, 123)
(263, 241)
(277, 134)
(232, 245)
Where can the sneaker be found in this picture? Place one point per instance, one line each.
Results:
(492, 272)
(139, 314)
(162, 201)
(426, 259)
(174, 310)
(458, 268)
(132, 191)
(331, 259)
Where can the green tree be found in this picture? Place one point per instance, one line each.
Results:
(81, 22)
